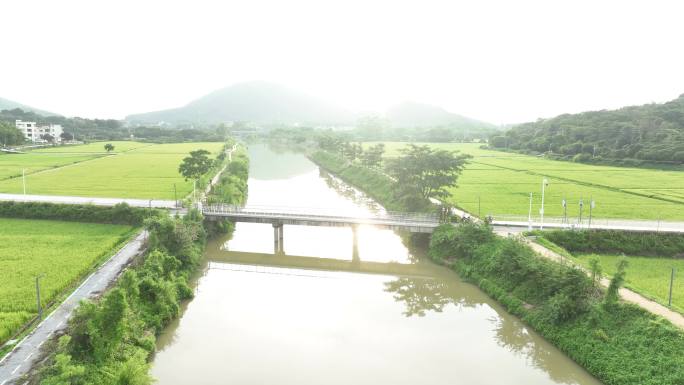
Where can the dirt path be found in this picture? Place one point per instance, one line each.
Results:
(626, 294)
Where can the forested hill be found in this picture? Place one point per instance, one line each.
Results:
(412, 114)
(652, 132)
(6, 104)
(257, 102)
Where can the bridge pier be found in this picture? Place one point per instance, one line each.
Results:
(355, 241)
(278, 244)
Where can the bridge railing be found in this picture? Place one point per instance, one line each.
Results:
(322, 213)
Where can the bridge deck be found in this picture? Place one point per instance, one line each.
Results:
(413, 222)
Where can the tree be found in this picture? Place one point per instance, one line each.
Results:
(596, 271)
(371, 127)
(613, 292)
(109, 147)
(426, 173)
(107, 328)
(330, 141)
(66, 136)
(352, 151)
(372, 156)
(48, 137)
(195, 165)
(10, 135)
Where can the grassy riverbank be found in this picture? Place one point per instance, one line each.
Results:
(111, 340)
(621, 344)
(374, 183)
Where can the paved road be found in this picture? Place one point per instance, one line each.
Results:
(156, 203)
(606, 224)
(19, 361)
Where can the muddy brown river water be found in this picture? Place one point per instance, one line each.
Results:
(310, 316)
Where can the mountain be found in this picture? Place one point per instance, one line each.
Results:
(651, 132)
(411, 114)
(6, 104)
(259, 102)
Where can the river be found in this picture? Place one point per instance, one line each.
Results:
(310, 316)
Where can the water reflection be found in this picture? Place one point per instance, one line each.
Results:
(349, 192)
(421, 296)
(289, 164)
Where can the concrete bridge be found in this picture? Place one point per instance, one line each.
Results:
(279, 216)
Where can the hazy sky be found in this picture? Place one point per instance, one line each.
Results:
(500, 61)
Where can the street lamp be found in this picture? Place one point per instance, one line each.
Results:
(565, 211)
(529, 215)
(545, 183)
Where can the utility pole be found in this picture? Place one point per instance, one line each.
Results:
(40, 308)
(581, 203)
(669, 301)
(23, 179)
(175, 195)
(529, 215)
(591, 208)
(545, 183)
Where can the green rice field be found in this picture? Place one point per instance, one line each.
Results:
(134, 170)
(96, 147)
(500, 183)
(12, 165)
(647, 275)
(34, 247)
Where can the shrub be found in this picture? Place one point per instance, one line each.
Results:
(619, 242)
(109, 341)
(121, 213)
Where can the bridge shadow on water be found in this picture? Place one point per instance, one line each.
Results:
(423, 288)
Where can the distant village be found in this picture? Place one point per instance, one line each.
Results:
(34, 133)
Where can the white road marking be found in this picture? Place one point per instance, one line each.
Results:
(59, 324)
(3, 383)
(41, 342)
(84, 282)
(15, 369)
(27, 357)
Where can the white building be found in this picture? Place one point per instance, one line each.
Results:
(34, 133)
